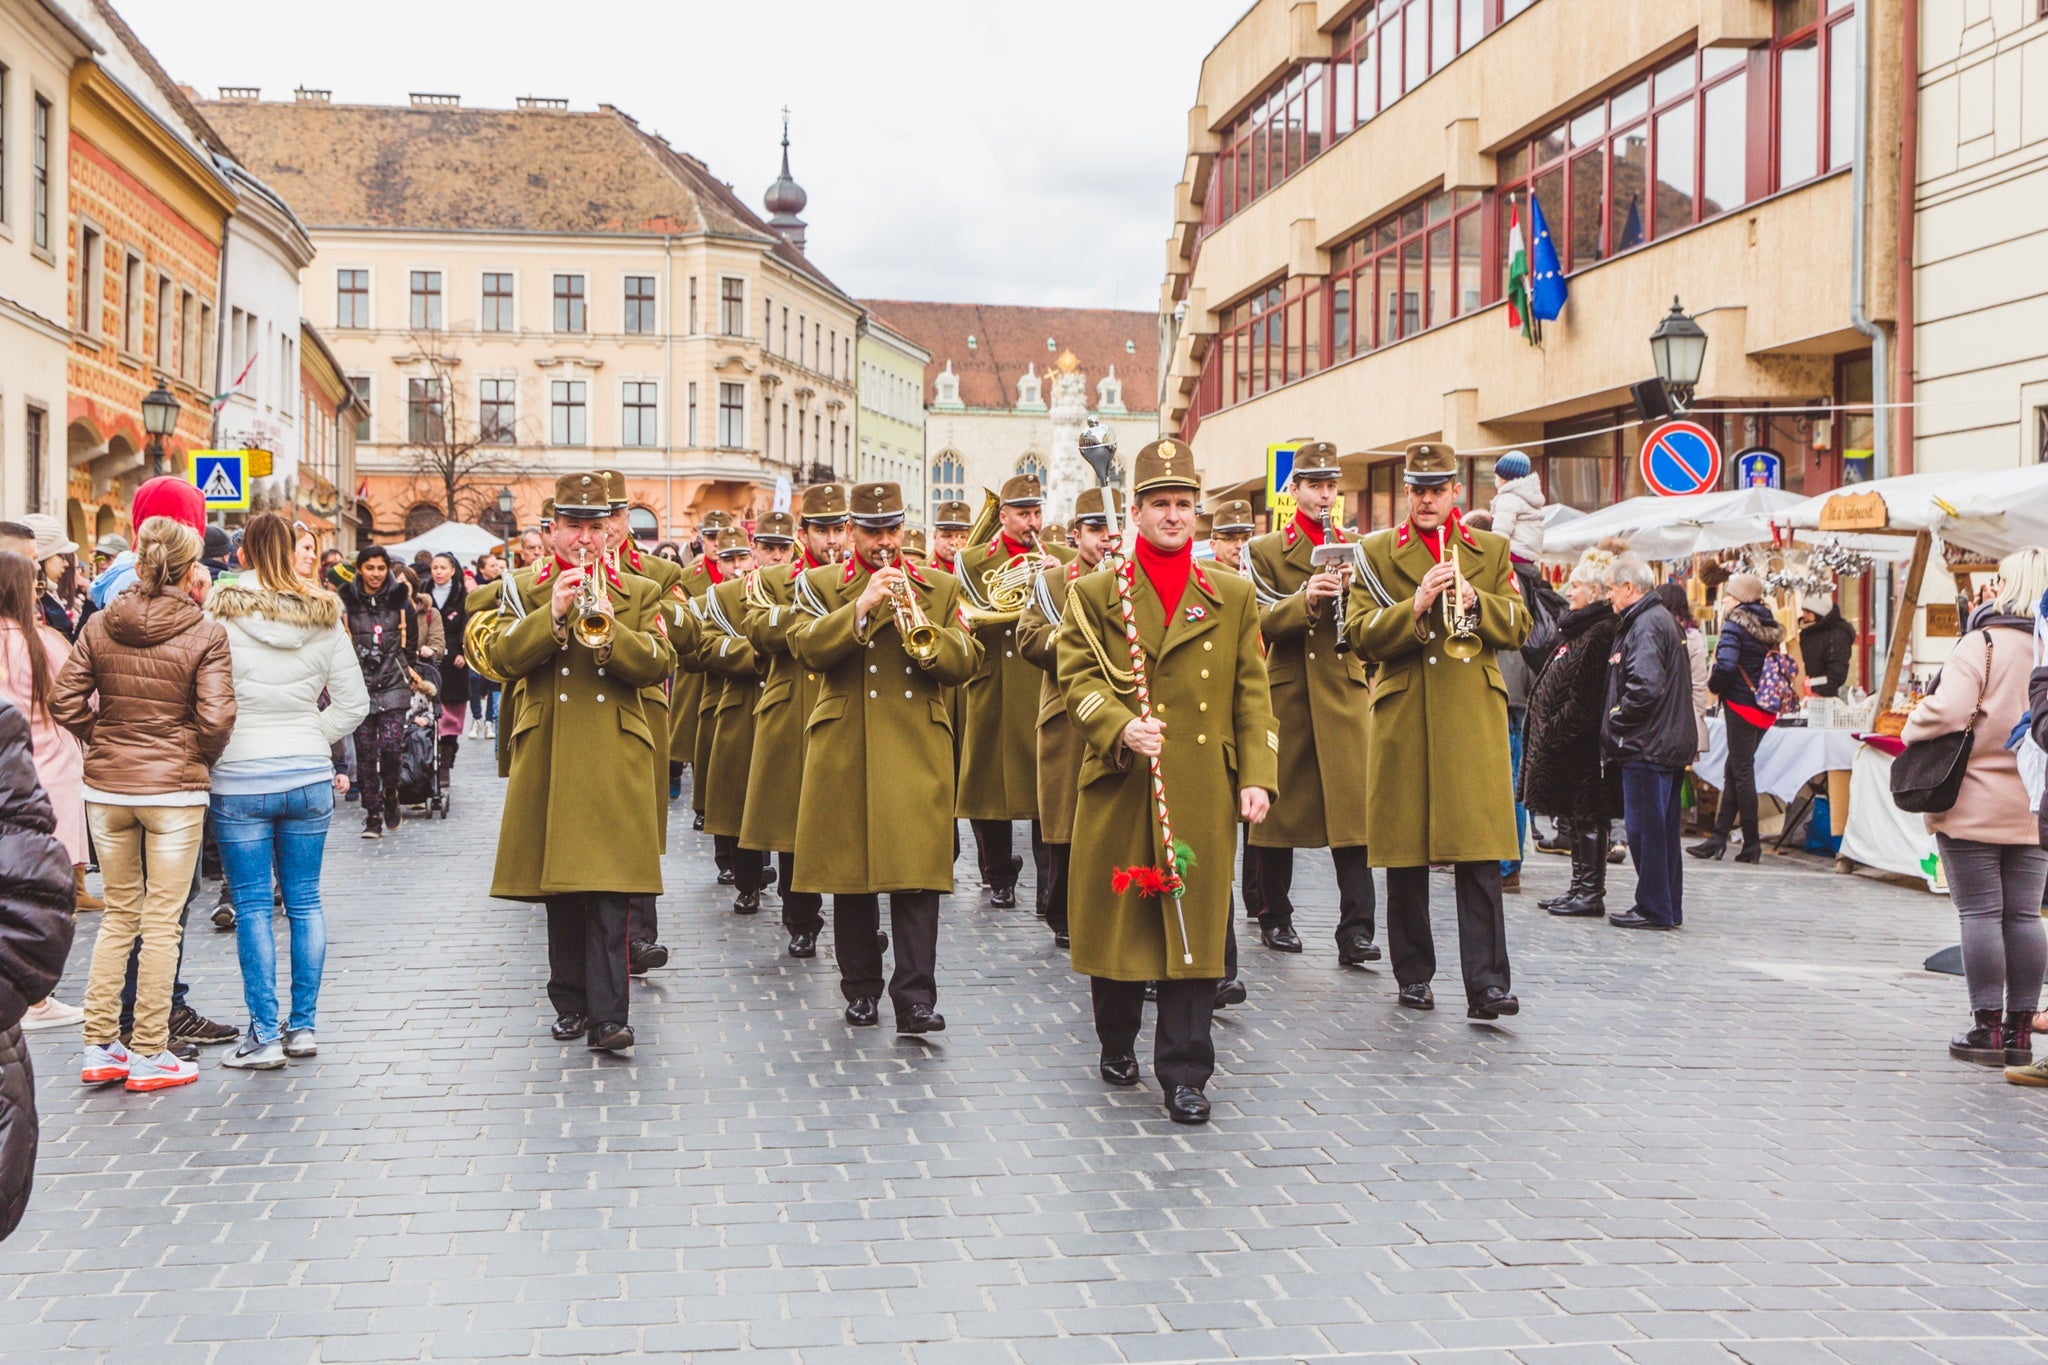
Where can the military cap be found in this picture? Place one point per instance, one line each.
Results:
(1316, 460)
(732, 542)
(953, 516)
(547, 509)
(914, 544)
(614, 487)
(717, 519)
(824, 504)
(1205, 526)
(1053, 534)
(582, 497)
(1022, 490)
(1234, 516)
(1165, 464)
(1088, 505)
(777, 527)
(876, 506)
(1429, 464)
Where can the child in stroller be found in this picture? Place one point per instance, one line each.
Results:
(422, 780)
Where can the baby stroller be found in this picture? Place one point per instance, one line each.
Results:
(419, 769)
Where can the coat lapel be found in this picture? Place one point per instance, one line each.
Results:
(1196, 614)
(1412, 557)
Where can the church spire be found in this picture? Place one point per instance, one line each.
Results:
(785, 198)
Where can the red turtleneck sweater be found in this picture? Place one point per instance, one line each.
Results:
(1167, 571)
(1011, 549)
(1309, 526)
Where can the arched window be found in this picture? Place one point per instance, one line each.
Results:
(1032, 464)
(949, 479)
(422, 518)
(644, 523)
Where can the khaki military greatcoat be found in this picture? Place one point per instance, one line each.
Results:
(728, 658)
(1439, 787)
(788, 692)
(673, 604)
(688, 699)
(875, 810)
(998, 753)
(1320, 700)
(1208, 683)
(1059, 743)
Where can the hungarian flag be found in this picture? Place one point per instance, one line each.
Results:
(1520, 314)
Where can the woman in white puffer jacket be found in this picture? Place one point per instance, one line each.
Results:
(273, 790)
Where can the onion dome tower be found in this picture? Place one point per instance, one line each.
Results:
(786, 199)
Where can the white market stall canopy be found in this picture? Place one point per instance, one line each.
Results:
(1989, 514)
(1675, 528)
(458, 538)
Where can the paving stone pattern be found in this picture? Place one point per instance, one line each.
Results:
(1742, 1142)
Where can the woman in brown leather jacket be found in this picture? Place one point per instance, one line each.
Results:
(166, 707)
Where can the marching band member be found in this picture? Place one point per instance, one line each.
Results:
(1322, 703)
(775, 776)
(687, 744)
(578, 833)
(1432, 603)
(1212, 730)
(951, 521)
(877, 792)
(1230, 532)
(732, 669)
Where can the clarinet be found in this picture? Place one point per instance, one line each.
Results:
(1343, 591)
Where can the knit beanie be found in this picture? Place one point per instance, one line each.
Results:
(165, 496)
(1513, 465)
(1819, 602)
(1745, 587)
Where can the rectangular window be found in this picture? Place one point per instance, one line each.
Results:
(163, 322)
(785, 329)
(424, 418)
(693, 305)
(188, 336)
(640, 303)
(569, 304)
(89, 280)
(732, 305)
(285, 369)
(568, 410)
(361, 384)
(39, 210)
(38, 440)
(690, 417)
(497, 412)
(351, 298)
(732, 415)
(131, 305)
(498, 315)
(1813, 88)
(6, 90)
(207, 347)
(425, 293)
(640, 425)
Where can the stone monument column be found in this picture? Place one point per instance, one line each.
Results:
(1069, 473)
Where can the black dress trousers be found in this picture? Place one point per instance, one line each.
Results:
(914, 932)
(1254, 895)
(994, 840)
(1482, 927)
(803, 912)
(1059, 858)
(1183, 1049)
(1356, 902)
(587, 970)
(643, 924)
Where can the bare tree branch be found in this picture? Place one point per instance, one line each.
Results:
(455, 463)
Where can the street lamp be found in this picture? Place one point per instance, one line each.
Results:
(505, 513)
(159, 419)
(1679, 346)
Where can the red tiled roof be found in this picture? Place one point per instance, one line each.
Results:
(1007, 339)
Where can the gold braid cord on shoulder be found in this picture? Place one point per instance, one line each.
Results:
(1121, 680)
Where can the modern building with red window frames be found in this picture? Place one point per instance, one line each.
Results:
(1338, 262)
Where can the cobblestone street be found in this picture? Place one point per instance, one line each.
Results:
(1742, 1142)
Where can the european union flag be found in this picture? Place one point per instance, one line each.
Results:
(1547, 289)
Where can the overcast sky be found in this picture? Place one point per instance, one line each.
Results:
(957, 150)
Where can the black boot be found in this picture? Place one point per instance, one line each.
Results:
(1576, 888)
(1589, 850)
(448, 743)
(1572, 889)
(1713, 847)
(1984, 1044)
(2019, 1037)
(392, 817)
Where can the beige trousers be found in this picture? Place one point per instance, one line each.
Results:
(146, 858)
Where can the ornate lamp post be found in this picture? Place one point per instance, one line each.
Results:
(1679, 346)
(159, 419)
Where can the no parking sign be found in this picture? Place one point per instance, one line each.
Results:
(1681, 458)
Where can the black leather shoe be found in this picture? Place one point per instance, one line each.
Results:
(1752, 851)
(570, 1026)
(1356, 950)
(770, 874)
(1577, 907)
(881, 941)
(1709, 848)
(1636, 919)
(863, 1012)
(725, 877)
(1229, 992)
(697, 820)
(643, 958)
(804, 944)
(1493, 1003)
(1062, 940)
(747, 903)
(921, 1019)
(611, 1037)
(1003, 897)
(1187, 1105)
(1279, 935)
(1151, 990)
(1417, 997)
(1119, 1068)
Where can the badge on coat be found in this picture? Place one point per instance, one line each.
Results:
(1197, 613)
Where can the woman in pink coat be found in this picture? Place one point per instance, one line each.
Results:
(30, 656)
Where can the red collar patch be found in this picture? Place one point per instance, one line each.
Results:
(1202, 582)
(1401, 536)
(910, 572)
(1290, 535)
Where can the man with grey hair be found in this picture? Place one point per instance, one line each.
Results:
(1648, 731)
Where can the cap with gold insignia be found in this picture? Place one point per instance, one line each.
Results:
(581, 497)
(713, 521)
(1429, 464)
(913, 544)
(614, 487)
(824, 504)
(1165, 464)
(953, 516)
(547, 510)
(1023, 490)
(777, 528)
(1088, 506)
(876, 506)
(1053, 534)
(1316, 460)
(733, 542)
(1235, 517)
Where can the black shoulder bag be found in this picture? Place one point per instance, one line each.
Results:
(1927, 777)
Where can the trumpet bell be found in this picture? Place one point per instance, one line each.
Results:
(1462, 645)
(921, 641)
(594, 630)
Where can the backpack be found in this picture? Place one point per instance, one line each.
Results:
(1778, 689)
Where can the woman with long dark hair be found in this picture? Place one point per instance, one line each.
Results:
(385, 631)
(445, 596)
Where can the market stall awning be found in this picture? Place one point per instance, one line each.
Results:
(459, 538)
(1992, 513)
(1675, 528)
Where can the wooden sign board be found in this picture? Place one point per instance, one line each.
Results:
(1942, 621)
(1854, 512)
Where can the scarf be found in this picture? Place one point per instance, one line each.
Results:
(1167, 571)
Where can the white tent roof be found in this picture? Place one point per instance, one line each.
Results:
(459, 538)
(1673, 528)
(1990, 512)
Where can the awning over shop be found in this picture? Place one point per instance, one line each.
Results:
(1676, 528)
(1991, 513)
(459, 538)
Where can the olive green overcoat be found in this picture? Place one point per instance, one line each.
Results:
(875, 812)
(1320, 700)
(1207, 681)
(1059, 743)
(788, 692)
(728, 658)
(998, 752)
(672, 603)
(577, 817)
(1439, 787)
(689, 694)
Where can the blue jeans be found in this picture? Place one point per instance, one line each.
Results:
(483, 698)
(288, 828)
(1649, 803)
(1516, 714)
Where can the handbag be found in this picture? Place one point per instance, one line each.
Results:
(1928, 775)
(1777, 690)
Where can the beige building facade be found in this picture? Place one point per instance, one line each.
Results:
(890, 427)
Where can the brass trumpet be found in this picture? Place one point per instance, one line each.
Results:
(920, 636)
(594, 625)
(1462, 625)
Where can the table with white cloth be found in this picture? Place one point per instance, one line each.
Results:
(1789, 757)
(1882, 836)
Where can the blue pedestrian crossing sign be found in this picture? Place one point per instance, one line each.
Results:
(222, 477)
(1681, 458)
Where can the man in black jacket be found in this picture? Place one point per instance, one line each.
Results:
(1827, 644)
(1648, 730)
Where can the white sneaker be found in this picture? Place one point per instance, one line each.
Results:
(490, 729)
(476, 730)
(160, 1072)
(105, 1062)
(51, 1013)
(255, 1056)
